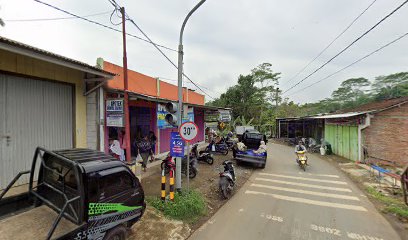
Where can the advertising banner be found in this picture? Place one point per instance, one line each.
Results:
(162, 112)
(176, 145)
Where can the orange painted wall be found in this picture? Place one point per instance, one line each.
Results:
(143, 84)
(137, 82)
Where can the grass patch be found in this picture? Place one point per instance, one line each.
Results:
(187, 206)
(392, 205)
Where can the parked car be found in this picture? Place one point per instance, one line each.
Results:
(73, 194)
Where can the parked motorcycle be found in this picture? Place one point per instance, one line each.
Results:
(169, 164)
(227, 179)
(202, 156)
(302, 159)
(220, 147)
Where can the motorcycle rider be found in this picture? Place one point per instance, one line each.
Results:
(299, 147)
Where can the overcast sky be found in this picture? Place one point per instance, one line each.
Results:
(223, 38)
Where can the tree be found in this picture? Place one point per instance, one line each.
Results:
(390, 86)
(350, 90)
(248, 98)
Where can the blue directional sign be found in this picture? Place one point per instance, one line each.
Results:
(176, 145)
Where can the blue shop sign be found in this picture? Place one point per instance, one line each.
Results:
(176, 145)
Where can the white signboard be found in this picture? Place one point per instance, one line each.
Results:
(114, 105)
(114, 120)
(188, 131)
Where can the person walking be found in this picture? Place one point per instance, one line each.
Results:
(145, 151)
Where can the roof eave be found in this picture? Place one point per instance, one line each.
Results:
(51, 59)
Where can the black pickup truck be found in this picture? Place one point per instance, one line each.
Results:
(73, 194)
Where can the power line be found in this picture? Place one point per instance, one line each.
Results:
(335, 39)
(100, 24)
(348, 46)
(53, 19)
(116, 5)
(351, 64)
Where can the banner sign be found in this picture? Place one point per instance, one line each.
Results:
(225, 116)
(115, 120)
(161, 116)
(176, 145)
(114, 105)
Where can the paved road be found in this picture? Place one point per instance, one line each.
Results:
(282, 202)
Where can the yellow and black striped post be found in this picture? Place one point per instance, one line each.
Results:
(163, 186)
(172, 185)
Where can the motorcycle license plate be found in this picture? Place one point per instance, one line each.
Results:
(302, 161)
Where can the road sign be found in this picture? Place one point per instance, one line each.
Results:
(176, 145)
(188, 131)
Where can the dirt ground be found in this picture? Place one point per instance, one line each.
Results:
(206, 182)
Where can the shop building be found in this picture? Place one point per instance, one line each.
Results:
(147, 99)
(43, 102)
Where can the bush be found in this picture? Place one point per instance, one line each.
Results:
(187, 206)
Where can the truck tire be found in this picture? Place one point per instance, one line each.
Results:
(117, 233)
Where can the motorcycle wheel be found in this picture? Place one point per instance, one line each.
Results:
(225, 152)
(210, 160)
(192, 173)
(224, 188)
(303, 166)
(166, 169)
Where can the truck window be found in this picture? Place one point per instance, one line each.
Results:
(114, 184)
(56, 180)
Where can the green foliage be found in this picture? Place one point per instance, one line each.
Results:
(392, 205)
(252, 95)
(187, 206)
(357, 91)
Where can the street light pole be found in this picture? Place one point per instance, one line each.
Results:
(180, 88)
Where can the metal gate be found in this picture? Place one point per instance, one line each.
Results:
(343, 140)
(32, 113)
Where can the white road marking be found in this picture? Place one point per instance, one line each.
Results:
(320, 175)
(302, 178)
(309, 201)
(337, 232)
(328, 230)
(330, 195)
(304, 185)
(241, 210)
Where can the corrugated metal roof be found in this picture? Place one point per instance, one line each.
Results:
(340, 115)
(8, 44)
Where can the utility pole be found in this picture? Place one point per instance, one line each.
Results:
(126, 95)
(277, 96)
(180, 89)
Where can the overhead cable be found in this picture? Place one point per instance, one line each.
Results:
(100, 24)
(116, 5)
(351, 64)
(53, 19)
(348, 46)
(335, 39)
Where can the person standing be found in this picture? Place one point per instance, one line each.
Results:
(153, 139)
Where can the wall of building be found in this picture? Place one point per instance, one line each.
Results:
(30, 67)
(92, 120)
(386, 137)
(143, 84)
